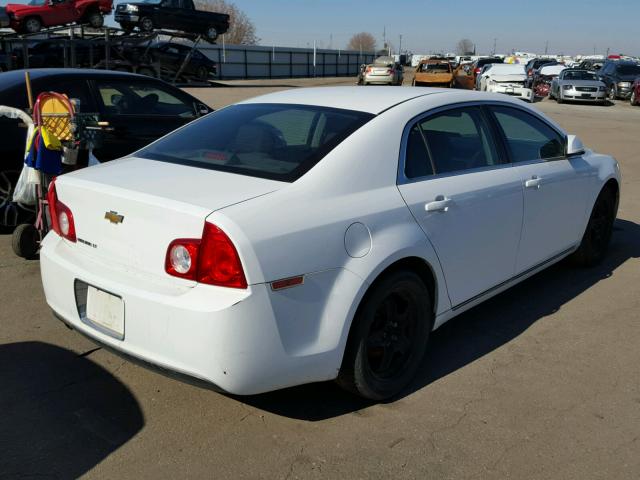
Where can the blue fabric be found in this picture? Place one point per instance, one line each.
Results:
(48, 161)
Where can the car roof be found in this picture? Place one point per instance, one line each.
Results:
(15, 76)
(364, 99)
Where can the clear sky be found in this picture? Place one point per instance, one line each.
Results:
(570, 26)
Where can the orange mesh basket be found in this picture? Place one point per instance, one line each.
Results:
(54, 111)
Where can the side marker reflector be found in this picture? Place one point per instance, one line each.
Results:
(287, 283)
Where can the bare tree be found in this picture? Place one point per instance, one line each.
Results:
(241, 31)
(465, 47)
(363, 41)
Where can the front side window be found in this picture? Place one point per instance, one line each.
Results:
(275, 141)
(528, 138)
(458, 140)
(141, 98)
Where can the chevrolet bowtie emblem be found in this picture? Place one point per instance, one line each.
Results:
(113, 217)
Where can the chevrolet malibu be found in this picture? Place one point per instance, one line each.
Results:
(320, 234)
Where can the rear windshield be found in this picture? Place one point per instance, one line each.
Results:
(580, 75)
(435, 67)
(274, 141)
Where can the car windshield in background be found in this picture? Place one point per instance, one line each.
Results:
(37, 3)
(629, 69)
(274, 141)
(584, 75)
(435, 67)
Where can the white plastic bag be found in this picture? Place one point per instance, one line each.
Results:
(25, 191)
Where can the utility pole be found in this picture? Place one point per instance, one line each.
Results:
(546, 47)
(384, 37)
(494, 46)
(400, 47)
(330, 41)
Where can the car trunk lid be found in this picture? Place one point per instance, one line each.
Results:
(127, 212)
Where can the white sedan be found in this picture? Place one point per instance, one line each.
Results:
(320, 234)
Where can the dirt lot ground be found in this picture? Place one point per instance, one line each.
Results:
(543, 381)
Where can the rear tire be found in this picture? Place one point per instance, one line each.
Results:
(597, 235)
(146, 24)
(95, 19)
(633, 99)
(148, 71)
(613, 94)
(25, 241)
(202, 73)
(388, 337)
(211, 34)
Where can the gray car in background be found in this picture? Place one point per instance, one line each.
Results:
(578, 85)
(383, 71)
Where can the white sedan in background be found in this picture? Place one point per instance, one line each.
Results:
(320, 234)
(508, 79)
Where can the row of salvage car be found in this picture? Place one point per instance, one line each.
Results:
(539, 78)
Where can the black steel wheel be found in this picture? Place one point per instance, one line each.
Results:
(11, 213)
(146, 24)
(25, 241)
(32, 25)
(597, 235)
(95, 19)
(202, 73)
(211, 34)
(388, 338)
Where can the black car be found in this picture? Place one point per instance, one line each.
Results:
(171, 14)
(618, 76)
(138, 110)
(170, 56)
(591, 65)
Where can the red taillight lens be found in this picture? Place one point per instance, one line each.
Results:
(477, 70)
(213, 260)
(61, 217)
(369, 70)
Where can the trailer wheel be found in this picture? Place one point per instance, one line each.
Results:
(95, 19)
(146, 24)
(32, 25)
(211, 34)
(25, 240)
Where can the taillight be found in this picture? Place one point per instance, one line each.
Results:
(369, 69)
(212, 260)
(477, 70)
(61, 217)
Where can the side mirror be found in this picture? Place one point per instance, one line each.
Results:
(202, 109)
(575, 146)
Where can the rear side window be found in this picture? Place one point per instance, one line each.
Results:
(275, 141)
(458, 140)
(528, 138)
(417, 162)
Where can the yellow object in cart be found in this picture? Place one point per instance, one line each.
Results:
(54, 113)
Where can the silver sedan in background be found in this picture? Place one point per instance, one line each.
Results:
(578, 85)
(384, 70)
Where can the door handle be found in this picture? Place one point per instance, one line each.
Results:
(440, 204)
(533, 182)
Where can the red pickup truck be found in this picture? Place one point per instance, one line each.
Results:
(35, 15)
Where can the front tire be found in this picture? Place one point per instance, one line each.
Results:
(388, 337)
(613, 94)
(211, 34)
(633, 100)
(597, 235)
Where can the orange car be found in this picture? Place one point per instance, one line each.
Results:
(433, 73)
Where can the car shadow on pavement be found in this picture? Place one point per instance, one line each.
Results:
(469, 336)
(60, 413)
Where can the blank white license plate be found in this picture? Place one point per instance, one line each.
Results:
(106, 311)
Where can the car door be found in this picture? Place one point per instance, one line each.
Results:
(61, 12)
(467, 199)
(138, 111)
(555, 187)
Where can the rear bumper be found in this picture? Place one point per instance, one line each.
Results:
(379, 78)
(241, 341)
(518, 92)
